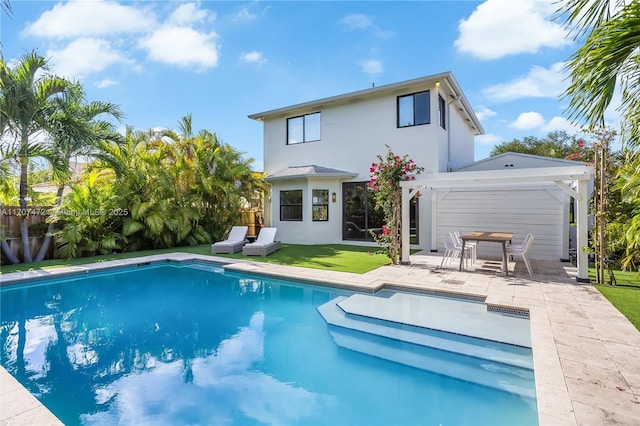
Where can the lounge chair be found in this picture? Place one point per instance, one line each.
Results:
(265, 243)
(234, 242)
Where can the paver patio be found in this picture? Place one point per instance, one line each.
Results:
(587, 368)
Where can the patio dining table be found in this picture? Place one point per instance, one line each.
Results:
(496, 237)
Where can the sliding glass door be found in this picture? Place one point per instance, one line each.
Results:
(360, 217)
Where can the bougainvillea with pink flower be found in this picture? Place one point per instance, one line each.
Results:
(582, 151)
(386, 174)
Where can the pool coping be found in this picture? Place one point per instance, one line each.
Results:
(585, 366)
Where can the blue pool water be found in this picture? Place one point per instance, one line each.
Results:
(175, 344)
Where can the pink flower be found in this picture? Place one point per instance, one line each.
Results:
(573, 155)
(580, 143)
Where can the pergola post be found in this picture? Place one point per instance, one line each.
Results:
(405, 236)
(582, 231)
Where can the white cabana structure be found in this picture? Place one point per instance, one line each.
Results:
(573, 180)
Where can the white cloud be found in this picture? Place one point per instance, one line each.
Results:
(253, 57)
(488, 139)
(528, 120)
(84, 56)
(187, 14)
(484, 112)
(107, 82)
(499, 28)
(182, 46)
(535, 121)
(540, 82)
(362, 22)
(78, 18)
(371, 66)
(244, 15)
(358, 21)
(88, 23)
(560, 123)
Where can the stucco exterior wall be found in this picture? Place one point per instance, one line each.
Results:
(353, 132)
(462, 140)
(308, 231)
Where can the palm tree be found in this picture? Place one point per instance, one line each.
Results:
(608, 58)
(25, 108)
(608, 61)
(75, 132)
(6, 6)
(628, 182)
(224, 176)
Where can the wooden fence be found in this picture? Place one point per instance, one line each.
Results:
(10, 217)
(254, 219)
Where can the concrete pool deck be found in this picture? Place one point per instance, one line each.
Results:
(587, 368)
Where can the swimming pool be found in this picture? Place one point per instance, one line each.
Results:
(194, 344)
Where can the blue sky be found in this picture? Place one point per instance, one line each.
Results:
(221, 61)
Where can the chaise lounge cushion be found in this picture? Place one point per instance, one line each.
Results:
(265, 243)
(227, 246)
(234, 242)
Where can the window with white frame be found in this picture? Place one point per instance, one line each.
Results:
(304, 128)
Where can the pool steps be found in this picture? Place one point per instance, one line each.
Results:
(488, 363)
(464, 317)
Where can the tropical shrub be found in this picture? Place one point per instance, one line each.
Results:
(163, 189)
(88, 219)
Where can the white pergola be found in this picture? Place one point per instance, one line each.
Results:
(561, 176)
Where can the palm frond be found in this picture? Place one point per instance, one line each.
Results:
(582, 16)
(608, 58)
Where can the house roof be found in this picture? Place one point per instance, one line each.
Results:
(308, 172)
(516, 160)
(450, 88)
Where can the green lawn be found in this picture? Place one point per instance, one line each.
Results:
(625, 295)
(335, 257)
(344, 258)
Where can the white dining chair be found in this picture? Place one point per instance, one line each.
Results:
(472, 244)
(522, 251)
(522, 244)
(450, 251)
(457, 243)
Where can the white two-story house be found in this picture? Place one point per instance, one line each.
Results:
(317, 156)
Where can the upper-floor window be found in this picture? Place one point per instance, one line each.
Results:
(304, 128)
(442, 110)
(291, 205)
(414, 109)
